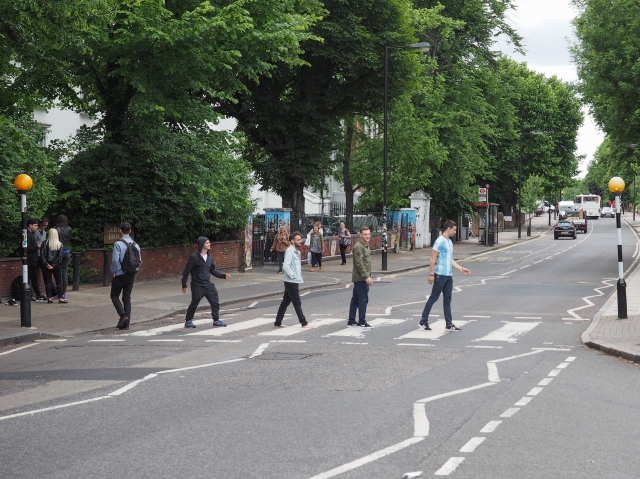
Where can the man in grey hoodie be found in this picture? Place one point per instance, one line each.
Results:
(201, 266)
(292, 280)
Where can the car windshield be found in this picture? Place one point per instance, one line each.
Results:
(565, 223)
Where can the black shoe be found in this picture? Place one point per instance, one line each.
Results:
(452, 327)
(425, 326)
(41, 299)
(124, 320)
(365, 325)
(11, 302)
(352, 325)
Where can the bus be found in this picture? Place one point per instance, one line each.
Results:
(590, 204)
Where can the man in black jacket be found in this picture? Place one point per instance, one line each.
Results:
(201, 266)
(32, 259)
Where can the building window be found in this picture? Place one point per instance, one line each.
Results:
(46, 129)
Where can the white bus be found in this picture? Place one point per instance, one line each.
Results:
(590, 204)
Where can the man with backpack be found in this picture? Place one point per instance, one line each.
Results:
(125, 265)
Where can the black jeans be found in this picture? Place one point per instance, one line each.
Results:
(291, 295)
(359, 301)
(316, 259)
(66, 257)
(122, 284)
(343, 250)
(48, 274)
(280, 256)
(33, 277)
(197, 293)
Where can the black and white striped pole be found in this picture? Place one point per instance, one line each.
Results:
(616, 185)
(23, 184)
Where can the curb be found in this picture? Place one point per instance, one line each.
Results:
(25, 338)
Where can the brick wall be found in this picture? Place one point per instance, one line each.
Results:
(157, 263)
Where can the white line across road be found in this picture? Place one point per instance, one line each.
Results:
(491, 426)
(297, 328)
(510, 332)
(231, 328)
(472, 444)
(437, 331)
(449, 466)
(18, 349)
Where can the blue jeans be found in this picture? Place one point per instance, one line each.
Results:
(359, 301)
(442, 284)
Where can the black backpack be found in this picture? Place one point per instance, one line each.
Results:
(131, 261)
(16, 288)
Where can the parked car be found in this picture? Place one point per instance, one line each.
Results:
(564, 229)
(607, 211)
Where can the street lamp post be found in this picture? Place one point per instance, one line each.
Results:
(634, 145)
(421, 47)
(522, 133)
(23, 183)
(616, 185)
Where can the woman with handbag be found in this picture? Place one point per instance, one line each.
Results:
(344, 236)
(51, 253)
(280, 244)
(316, 243)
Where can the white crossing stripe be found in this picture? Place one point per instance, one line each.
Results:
(359, 332)
(472, 444)
(534, 392)
(510, 332)
(437, 330)
(510, 412)
(449, 466)
(252, 323)
(545, 382)
(524, 401)
(491, 426)
(297, 328)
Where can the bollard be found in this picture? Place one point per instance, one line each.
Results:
(76, 271)
(105, 268)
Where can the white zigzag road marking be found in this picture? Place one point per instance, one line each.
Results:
(589, 303)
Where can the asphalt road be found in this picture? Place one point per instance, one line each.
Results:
(514, 395)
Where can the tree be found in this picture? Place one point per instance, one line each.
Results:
(532, 191)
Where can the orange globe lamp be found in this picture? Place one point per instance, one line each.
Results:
(616, 185)
(23, 183)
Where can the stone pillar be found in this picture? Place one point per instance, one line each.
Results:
(421, 202)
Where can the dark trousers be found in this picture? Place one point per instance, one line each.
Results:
(33, 278)
(48, 274)
(343, 251)
(441, 284)
(66, 257)
(316, 259)
(280, 256)
(291, 295)
(359, 301)
(122, 284)
(197, 293)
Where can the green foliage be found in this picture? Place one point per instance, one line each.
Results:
(171, 186)
(532, 191)
(87, 275)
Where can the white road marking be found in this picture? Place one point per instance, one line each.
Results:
(525, 266)
(551, 349)
(523, 401)
(50, 340)
(510, 412)
(518, 356)
(106, 340)
(472, 444)
(28, 413)
(367, 459)
(253, 305)
(555, 372)
(165, 340)
(274, 314)
(453, 393)
(570, 359)
(510, 332)
(493, 372)
(485, 347)
(562, 365)
(509, 272)
(528, 317)
(252, 323)
(476, 316)
(491, 426)
(200, 366)
(131, 385)
(420, 421)
(297, 328)
(18, 349)
(359, 332)
(536, 262)
(170, 327)
(287, 341)
(259, 351)
(223, 341)
(414, 344)
(545, 382)
(586, 299)
(353, 343)
(347, 286)
(437, 331)
(304, 294)
(535, 391)
(449, 466)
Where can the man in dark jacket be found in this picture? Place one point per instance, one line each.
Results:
(32, 259)
(201, 266)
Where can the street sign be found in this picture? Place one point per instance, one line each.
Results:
(482, 194)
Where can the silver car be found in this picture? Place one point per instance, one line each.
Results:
(607, 211)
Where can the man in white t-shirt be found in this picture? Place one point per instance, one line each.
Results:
(441, 276)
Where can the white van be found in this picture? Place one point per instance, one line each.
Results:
(566, 206)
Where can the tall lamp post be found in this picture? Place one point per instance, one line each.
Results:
(23, 183)
(423, 47)
(522, 133)
(634, 145)
(616, 185)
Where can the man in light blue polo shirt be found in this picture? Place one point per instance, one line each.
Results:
(441, 276)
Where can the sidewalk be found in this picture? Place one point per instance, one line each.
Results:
(619, 337)
(90, 309)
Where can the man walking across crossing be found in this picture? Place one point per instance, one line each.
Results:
(441, 265)
(361, 277)
(292, 280)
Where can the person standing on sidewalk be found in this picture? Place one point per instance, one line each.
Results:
(64, 233)
(344, 236)
(32, 260)
(441, 264)
(280, 244)
(41, 237)
(122, 282)
(51, 255)
(292, 280)
(201, 266)
(316, 243)
(361, 277)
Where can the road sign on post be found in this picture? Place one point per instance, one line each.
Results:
(482, 195)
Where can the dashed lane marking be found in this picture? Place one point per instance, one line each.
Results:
(472, 444)
(449, 466)
(18, 349)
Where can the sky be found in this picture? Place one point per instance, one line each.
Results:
(545, 26)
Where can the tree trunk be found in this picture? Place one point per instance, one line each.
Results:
(295, 201)
(346, 177)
